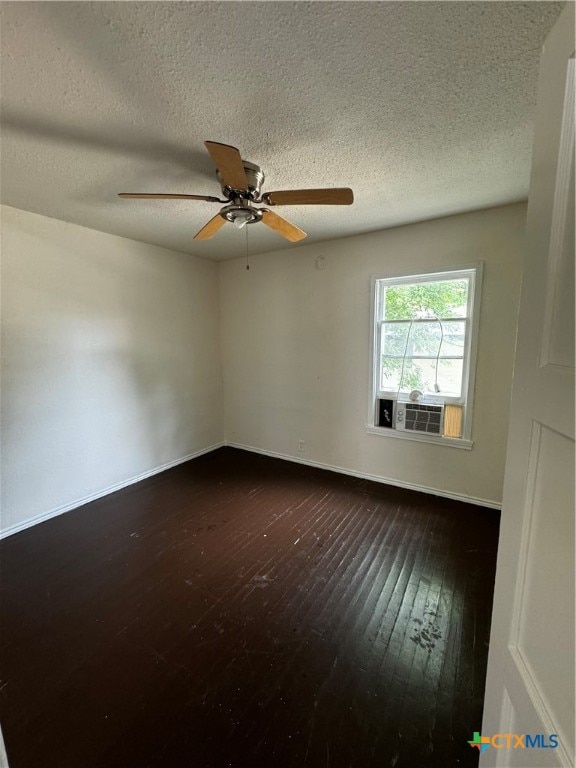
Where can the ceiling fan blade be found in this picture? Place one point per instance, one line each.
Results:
(228, 161)
(336, 196)
(210, 229)
(283, 227)
(171, 197)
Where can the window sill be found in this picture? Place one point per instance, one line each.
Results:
(449, 442)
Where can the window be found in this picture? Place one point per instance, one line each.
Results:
(424, 329)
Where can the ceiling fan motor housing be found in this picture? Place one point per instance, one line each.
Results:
(255, 177)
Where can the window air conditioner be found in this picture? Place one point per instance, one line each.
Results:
(415, 417)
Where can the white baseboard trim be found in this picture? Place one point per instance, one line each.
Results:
(11, 530)
(376, 478)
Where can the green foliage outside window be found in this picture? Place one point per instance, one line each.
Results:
(416, 301)
(419, 300)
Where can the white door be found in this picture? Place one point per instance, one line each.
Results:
(530, 682)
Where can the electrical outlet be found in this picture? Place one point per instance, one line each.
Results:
(301, 446)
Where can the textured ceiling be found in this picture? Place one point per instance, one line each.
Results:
(423, 108)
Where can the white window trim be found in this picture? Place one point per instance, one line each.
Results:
(469, 373)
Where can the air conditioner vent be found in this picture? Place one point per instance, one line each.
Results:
(414, 417)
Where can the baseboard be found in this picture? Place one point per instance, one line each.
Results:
(376, 478)
(11, 530)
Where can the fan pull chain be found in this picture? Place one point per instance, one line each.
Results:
(247, 265)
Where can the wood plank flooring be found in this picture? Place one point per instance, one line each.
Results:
(243, 611)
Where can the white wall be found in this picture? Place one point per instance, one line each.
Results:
(295, 342)
(110, 362)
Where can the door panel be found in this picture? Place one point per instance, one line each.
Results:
(543, 630)
(530, 681)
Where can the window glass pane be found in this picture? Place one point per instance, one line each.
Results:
(450, 377)
(431, 339)
(390, 371)
(425, 339)
(394, 338)
(439, 298)
(454, 334)
(406, 375)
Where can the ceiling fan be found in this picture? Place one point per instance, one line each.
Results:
(241, 184)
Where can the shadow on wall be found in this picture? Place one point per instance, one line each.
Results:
(101, 378)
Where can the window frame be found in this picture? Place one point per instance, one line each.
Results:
(472, 272)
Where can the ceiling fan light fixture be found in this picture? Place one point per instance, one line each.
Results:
(240, 221)
(240, 213)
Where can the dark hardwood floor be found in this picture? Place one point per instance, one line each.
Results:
(244, 611)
